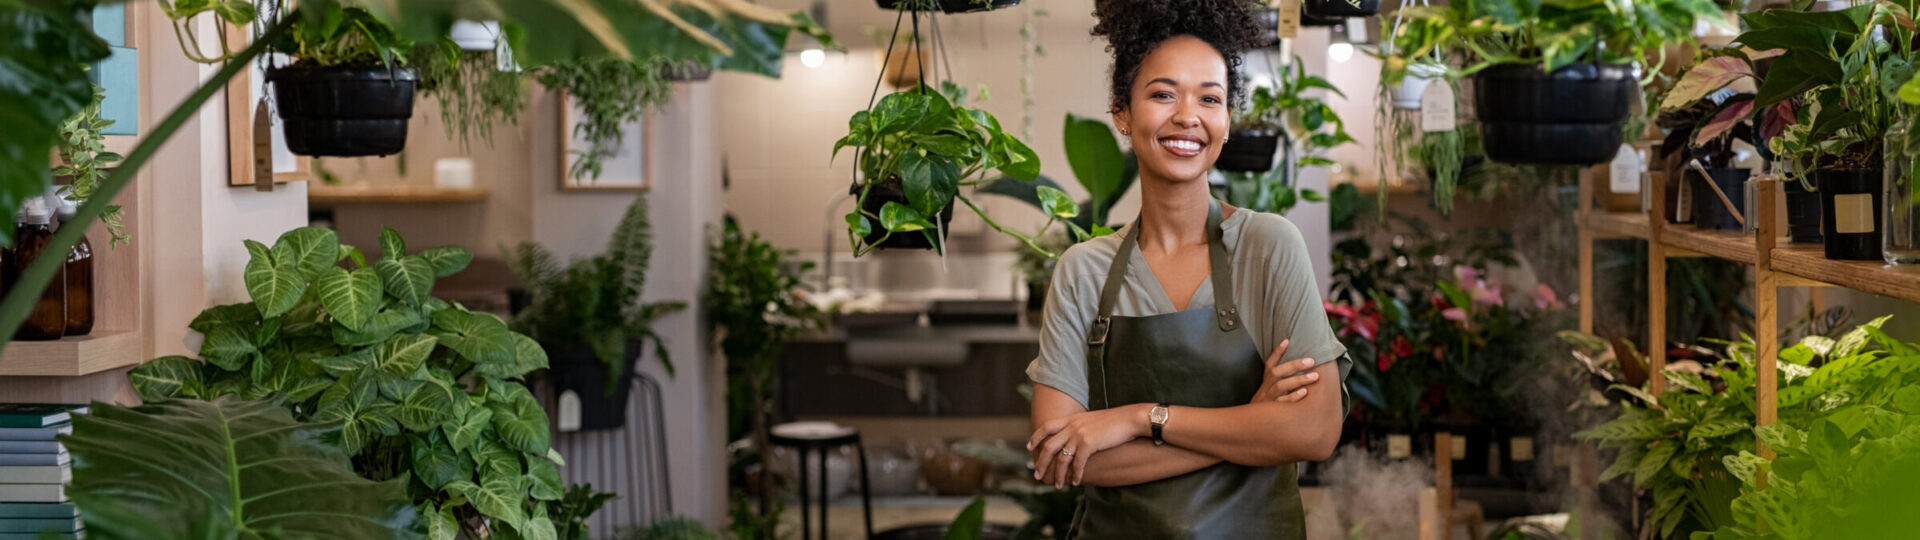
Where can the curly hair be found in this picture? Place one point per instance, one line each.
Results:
(1133, 28)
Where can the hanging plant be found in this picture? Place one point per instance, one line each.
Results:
(610, 93)
(473, 91)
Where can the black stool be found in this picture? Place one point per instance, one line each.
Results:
(821, 442)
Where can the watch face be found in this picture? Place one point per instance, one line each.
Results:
(1158, 415)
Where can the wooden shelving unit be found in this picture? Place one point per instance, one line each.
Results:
(374, 193)
(1776, 264)
(73, 356)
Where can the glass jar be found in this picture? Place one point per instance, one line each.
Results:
(1902, 196)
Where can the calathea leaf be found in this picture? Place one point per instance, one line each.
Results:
(222, 469)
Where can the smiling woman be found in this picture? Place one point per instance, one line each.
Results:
(1152, 387)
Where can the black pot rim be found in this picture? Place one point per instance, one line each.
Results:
(1583, 71)
(371, 72)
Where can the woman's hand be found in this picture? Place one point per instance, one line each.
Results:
(1280, 382)
(1062, 447)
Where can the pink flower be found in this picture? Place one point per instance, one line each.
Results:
(1465, 274)
(1482, 294)
(1544, 298)
(1456, 315)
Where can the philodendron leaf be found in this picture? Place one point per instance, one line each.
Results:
(164, 377)
(353, 298)
(228, 347)
(425, 408)
(468, 429)
(222, 469)
(1057, 203)
(447, 260)
(521, 423)
(435, 462)
(310, 250)
(478, 337)
(527, 357)
(545, 481)
(499, 497)
(242, 314)
(897, 217)
(275, 287)
(408, 278)
(378, 328)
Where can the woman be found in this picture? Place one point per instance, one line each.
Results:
(1151, 388)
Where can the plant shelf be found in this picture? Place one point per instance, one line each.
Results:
(388, 194)
(72, 356)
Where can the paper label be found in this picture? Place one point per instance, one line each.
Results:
(1289, 18)
(1624, 171)
(1521, 448)
(1399, 446)
(1436, 107)
(1853, 213)
(1683, 205)
(1459, 447)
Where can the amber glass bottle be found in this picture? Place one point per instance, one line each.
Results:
(79, 272)
(48, 320)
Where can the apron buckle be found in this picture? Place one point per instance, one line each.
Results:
(1098, 334)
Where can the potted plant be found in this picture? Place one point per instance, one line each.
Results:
(1307, 126)
(754, 309)
(1714, 103)
(420, 391)
(947, 6)
(474, 89)
(1839, 83)
(610, 93)
(914, 150)
(589, 317)
(1528, 60)
(1104, 170)
(1707, 130)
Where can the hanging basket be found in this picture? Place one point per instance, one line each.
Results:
(1339, 9)
(947, 6)
(1249, 150)
(1572, 116)
(346, 111)
(1269, 20)
(877, 198)
(687, 71)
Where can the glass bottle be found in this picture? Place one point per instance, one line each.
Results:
(1901, 240)
(48, 319)
(79, 273)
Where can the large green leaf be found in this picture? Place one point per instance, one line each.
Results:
(499, 497)
(544, 479)
(408, 278)
(527, 357)
(228, 347)
(480, 338)
(426, 407)
(404, 354)
(436, 463)
(970, 523)
(243, 314)
(222, 469)
(469, 428)
(164, 377)
(1094, 154)
(929, 180)
(311, 250)
(274, 286)
(381, 326)
(521, 423)
(447, 260)
(352, 298)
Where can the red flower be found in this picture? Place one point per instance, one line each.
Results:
(1402, 347)
(1384, 362)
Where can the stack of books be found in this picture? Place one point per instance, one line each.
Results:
(34, 471)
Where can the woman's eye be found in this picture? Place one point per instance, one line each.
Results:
(1162, 95)
(1211, 99)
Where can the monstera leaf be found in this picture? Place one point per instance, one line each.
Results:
(223, 469)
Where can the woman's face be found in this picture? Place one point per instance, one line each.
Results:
(1177, 117)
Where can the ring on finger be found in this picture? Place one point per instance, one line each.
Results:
(1066, 452)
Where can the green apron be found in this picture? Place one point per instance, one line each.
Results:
(1194, 358)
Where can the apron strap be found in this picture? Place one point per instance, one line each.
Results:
(1224, 308)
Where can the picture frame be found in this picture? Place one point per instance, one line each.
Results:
(246, 95)
(628, 170)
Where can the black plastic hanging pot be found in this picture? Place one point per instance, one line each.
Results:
(1572, 116)
(1269, 21)
(574, 369)
(1708, 211)
(1335, 9)
(346, 111)
(878, 198)
(1850, 220)
(947, 6)
(1249, 150)
(1803, 213)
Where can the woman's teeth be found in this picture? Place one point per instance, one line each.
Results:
(1181, 146)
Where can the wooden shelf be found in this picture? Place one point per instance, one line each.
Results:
(1729, 245)
(1806, 263)
(1809, 262)
(73, 356)
(386, 194)
(1615, 224)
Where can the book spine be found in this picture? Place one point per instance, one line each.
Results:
(67, 525)
(29, 460)
(44, 493)
(30, 447)
(38, 510)
(35, 475)
(31, 434)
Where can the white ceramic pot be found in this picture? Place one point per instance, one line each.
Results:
(475, 35)
(1406, 95)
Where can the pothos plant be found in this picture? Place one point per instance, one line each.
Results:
(84, 160)
(424, 391)
(926, 145)
(1478, 34)
(1693, 446)
(1842, 81)
(1309, 128)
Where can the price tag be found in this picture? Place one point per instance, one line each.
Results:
(1399, 446)
(1436, 108)
(1289, 18)
(1459, 447)
(262, 147)
(1522, 448)
(1624, 171)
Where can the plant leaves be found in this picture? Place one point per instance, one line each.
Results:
(436, 464)
(970, 522)
(408, 278)
(499, 498)
(930, 181)
(391, 245)
(228, 347)
(196, 469)
(527, 357)
(544, 477)
(351, 298)
(425, 408)
(447, 260)
(404, 354)
(164, 377)
(897, 217)
(1094, 155)
(1723, 122)
(521, 423)
(469, 429)
(275, 288)
(310, 250)
(480, 338)
(243, 314)
(378, 328)
(440, 523)
(1057, 204)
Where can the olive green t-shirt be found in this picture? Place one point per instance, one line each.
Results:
(1272, 280)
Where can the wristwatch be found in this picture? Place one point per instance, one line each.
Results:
(1157, 417)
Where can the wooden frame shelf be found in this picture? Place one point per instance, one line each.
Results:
(73, 356)
(377, 194)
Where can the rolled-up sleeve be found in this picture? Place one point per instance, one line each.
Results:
(1064, 320)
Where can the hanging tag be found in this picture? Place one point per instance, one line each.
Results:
(1623, 173)
(262, 148)
(1522, 449)
(1459, 447)
(1436, 108)
(1289, 19)
(1399, 446)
